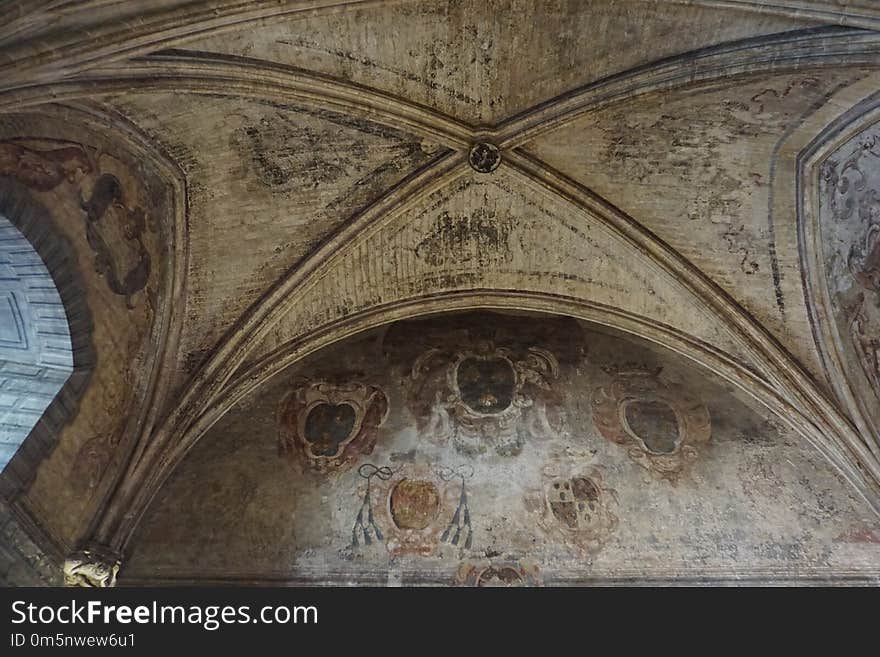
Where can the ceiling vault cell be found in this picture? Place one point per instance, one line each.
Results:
(75, 206)
(27, 59)
(838, 222)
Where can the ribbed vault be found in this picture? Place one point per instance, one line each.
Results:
(292, 184)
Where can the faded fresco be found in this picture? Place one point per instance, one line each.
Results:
(849, 223)
(267, 182)
(113, 210)
(610, 466)
(660, 425)
(241, 187)
(484, 388)
(676, 162)
(329, 425)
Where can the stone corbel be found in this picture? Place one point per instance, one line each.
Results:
(92, 567)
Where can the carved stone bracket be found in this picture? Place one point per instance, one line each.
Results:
(92, 567)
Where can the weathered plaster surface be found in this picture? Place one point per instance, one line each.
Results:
(754, 503)
(455, 56)
(289, 175)
(699, 168)
(267, 183)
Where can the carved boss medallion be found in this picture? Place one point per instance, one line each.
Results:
(575, 506)
(661, 425)
(329, 425)
(486, 397)
(484, 157)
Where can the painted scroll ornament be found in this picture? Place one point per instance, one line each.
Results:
(115, 231)
(841, 256)
(486, 397)
(498, 574)
(330, 425)
(43, 164)
(864, 326)
(661, 425)
(116, 227)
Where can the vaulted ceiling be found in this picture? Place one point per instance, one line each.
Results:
(240, 185)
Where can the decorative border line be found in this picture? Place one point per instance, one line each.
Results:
(773, 576)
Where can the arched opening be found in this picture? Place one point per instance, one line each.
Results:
(36, 352)
(46, 349)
